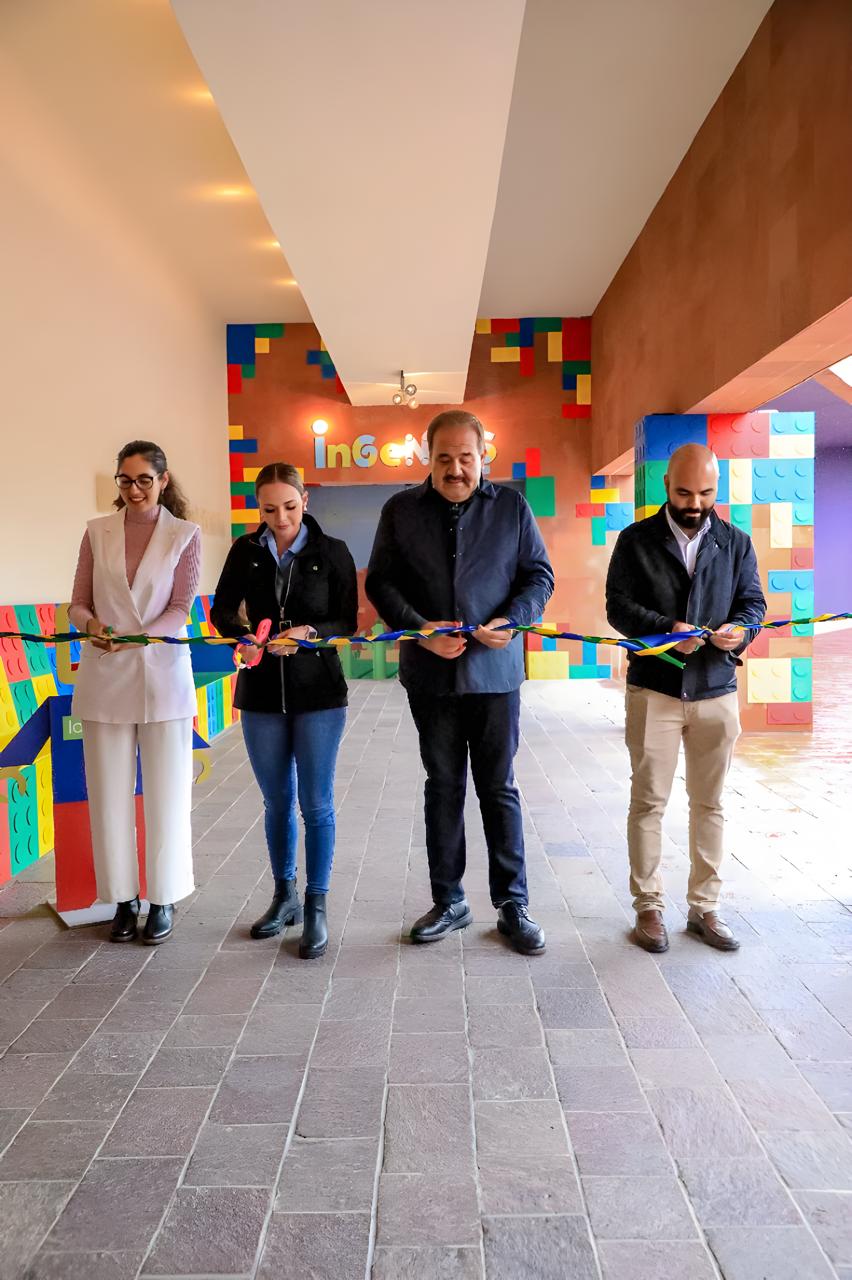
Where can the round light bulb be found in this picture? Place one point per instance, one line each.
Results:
(319, 426)
(397, 397)
(411, 390)
(412, 404)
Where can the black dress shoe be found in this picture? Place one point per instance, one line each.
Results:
(124, 921)
(159, 924)
(314, 940)
(514, 922)
(283, 910)
(440, 921)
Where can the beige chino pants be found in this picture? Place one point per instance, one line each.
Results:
(655, 727)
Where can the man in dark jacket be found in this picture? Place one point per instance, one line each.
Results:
(681, 569)
(459, 550)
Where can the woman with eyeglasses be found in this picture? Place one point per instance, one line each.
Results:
(137, 574)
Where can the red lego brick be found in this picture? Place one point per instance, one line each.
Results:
(532, 460)
(738, 435)
(75, 871)
(505, 326)
(338, 385)
(5, 846)
(588, 510)
(577, 339)
(723, 511)
(46, 614)
(576, 411)
(792, 715)
(527, 362)
(759, 647)
(802, 558)
(238, 502)
(237, 461)
(533, 643)
(235, 379)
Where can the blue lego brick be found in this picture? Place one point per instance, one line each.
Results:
(658, 435)
(328, 371)
(242, 446)
(741, 516)
(598, 482)
(519, 470)
(591, 671)
(619, 515)
(526, 330)
(569, 381)
(793, 580)
(782, 480)
(803, 513)
(590, 654)
(313, 357)
(548, 644)
(724, 492)
(792, 424)
(241, 344)
(61, 687)
(252, 503)
(802, 679)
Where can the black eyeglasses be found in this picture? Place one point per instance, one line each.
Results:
(141, 482)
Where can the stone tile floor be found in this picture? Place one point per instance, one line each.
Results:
(217, 1107)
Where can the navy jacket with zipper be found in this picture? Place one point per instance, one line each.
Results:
(648, 589)
(320, 588)
(500, 570)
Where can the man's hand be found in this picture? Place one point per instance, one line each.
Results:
(687, 646)
(491, 638)
(444, 646)
(292, 633)
(727, 637)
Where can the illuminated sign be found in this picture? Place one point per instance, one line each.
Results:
(365, 452)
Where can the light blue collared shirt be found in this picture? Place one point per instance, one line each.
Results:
(282, 561)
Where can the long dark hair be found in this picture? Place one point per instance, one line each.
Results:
(172, 497)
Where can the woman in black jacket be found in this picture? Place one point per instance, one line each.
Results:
(293, 706)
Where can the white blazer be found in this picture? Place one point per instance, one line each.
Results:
(135, 685)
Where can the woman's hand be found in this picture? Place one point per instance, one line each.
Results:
(292, 633)
(100, 635)
(249, 650)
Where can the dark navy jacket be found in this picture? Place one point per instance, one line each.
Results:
(648, 589)
(500, 570)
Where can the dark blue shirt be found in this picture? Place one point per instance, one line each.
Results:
(492, 565)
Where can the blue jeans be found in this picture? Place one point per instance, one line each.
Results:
(290, 755)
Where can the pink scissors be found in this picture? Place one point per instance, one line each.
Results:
(261, 636)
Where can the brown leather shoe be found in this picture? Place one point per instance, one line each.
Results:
(712, 929)
(650, 930)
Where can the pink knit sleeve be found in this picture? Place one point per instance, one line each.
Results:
(184, 587)
(82, 602)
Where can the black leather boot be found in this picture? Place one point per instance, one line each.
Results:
(124, 921)
(516, 924)
(159, 924)
(283, 910)
(440, 921)
(314, 940)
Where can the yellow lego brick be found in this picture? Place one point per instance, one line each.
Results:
(261, 346)
(201, 699)
(642, 513)
(8, 715)
(770, 679)
(235, 433)
(548, 666)
(245, 517)
(791, 446)
(483, 325)
(781, 524)
(599, 496)
(44, 687)
(554, 348)
(739, 471)
(584, 388)
(227, 702)
(44, 800)
(251, 473)
(506, 355)
(206, 629)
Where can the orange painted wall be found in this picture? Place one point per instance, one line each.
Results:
(749, 245)
(277, 406)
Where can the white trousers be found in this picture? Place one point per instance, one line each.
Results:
(110, 754)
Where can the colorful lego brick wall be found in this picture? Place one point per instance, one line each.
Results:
(766, 487)
(529, 382)
(28, 677)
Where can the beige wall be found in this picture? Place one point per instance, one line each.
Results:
(100, 342)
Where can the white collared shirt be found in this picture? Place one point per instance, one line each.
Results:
(687, 546)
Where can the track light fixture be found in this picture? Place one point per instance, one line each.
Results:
(407, 394)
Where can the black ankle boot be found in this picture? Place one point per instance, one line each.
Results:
(314, 940)
(159, 924)
(124, 921)
(283, 910)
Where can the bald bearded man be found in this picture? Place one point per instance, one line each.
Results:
(680, 569)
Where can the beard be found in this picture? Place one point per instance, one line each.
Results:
(688, 518)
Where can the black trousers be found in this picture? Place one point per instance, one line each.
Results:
(486, 727)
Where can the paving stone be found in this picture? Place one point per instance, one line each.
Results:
(549, 1248)
(750, 1057)
(213, 1230)
(359, 998)
(259, 1090)
(529, 1185)
(427, 1209)
(85, 1001)
(285, 1029)
(431, 980)
(428, 1130)
(812, 1036)
(116, 1053)
(236, 1155)
(524, 1128)
(675, 1068)
(341, 1044)
(657, 1033)
(778, 1253)
(435, 1059)
(204, 1030)
(495, 1026)
(427, 1264)
(96, 1217)
(737, 1193)
(46, 1035)
(341, 1103)
(427, 1014)
(316, 1245)
(223, 995)
(572, 1008)
(11, 1120)
(832, 1081)
(121, 1265)
(50, 1151)
(331, 1176)
(617, 1145)
(26, 1078)
(640, 1208)
(44, 983)
(592, 1071)
(27, 1211)
(688, 1118)
(627, 1260)
(129, 1015)
(368, 962)
(185, 1067)
(817, 1161)
(830, 1215)
(783, 1105)
(524, 1073)
(85, 1097)
(507, 990)
(158, 1122)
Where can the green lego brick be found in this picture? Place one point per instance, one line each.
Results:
(547, 324)
(248, 370)
(576, 366)
(802, 679)
(23, 696)
(655, 490)
(598, 531)
(541, 495)
(23, 822)
(741, 514)
(36, 654)
(513, 339)
(269, 331)
(237, 530)
(243, 487)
